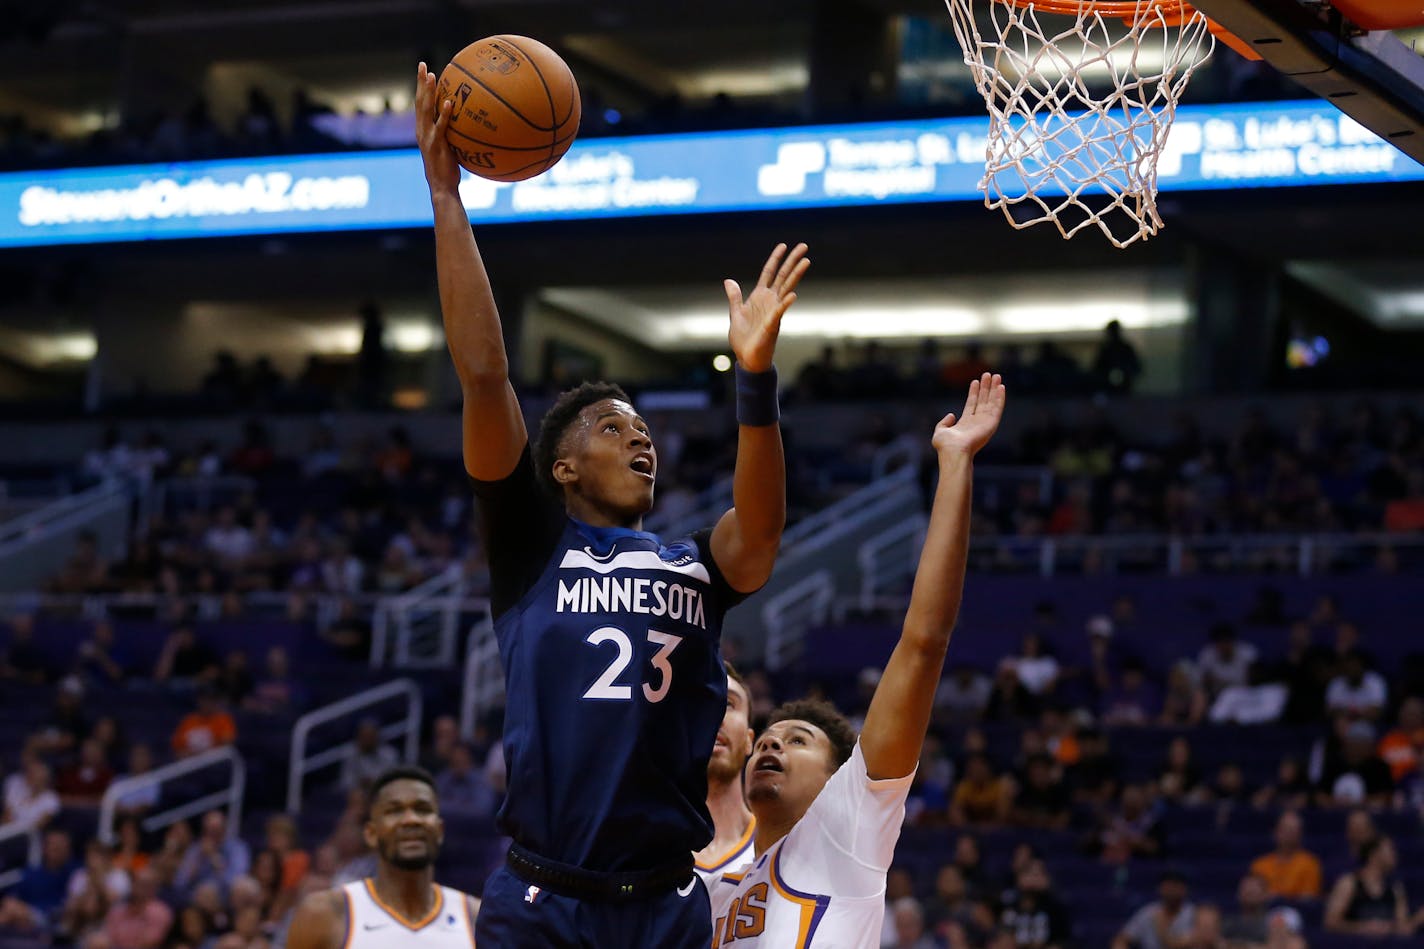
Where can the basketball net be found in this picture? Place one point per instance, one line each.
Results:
(1080, 105)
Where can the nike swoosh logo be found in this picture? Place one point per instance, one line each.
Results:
(687, 890)
(604, 559)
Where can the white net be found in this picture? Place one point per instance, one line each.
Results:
(1080, 106)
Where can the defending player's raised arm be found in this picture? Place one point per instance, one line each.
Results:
(494, 433)
(747, 537)
(899, 713)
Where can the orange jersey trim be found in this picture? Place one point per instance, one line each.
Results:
(350, 919)
(731, 854)
(419, 924)
(813, 907)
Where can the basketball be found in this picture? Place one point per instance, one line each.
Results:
(516, 107)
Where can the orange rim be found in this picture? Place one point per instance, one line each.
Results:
(1171, 10)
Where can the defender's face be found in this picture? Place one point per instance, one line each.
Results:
(610, 459)
(790, 764)
(405, 827)
(734, 738)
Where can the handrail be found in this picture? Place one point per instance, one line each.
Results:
(56, 514)
(232, 794)
(867, 557)
(445, 586)
(20, 829)
(484, 677)
(853, 503)
(299, 765)
(817, 593)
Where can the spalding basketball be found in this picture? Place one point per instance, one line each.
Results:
(516, 107)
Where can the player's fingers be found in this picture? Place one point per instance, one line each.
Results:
(789, 265)
(797, 272)
(786, 301)
(971, 401)
(947, 422)
(768, 272)
(734, 293)
(442, 121)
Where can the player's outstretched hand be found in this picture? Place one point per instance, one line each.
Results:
(442, 171)
(971, 431)
(756, 320)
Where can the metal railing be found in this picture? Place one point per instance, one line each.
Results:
(57, 513)
(301, 764)
(889, 557)
(423, 623)
(11, 831)
(484, 677)
(791, 613)
(229, 797)
(812, 532)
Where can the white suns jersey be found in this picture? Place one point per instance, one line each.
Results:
(371, 924)
(822, 886)
(735, 860)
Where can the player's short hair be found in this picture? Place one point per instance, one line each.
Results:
(733, 674)
(404, 772)
(556, 422)
(824, 716)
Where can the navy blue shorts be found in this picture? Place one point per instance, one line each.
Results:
(516, 915)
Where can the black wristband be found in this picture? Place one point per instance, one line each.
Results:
(756, 397)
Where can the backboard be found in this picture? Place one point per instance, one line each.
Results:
(1343, 51)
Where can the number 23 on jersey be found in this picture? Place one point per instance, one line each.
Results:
(608, 687)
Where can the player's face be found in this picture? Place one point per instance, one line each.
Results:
(610, 460)
(734, 738)
(790, 763)
(405, 828)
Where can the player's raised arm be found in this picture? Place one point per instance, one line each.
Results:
(494, 433)
(899, 713)
(748, 536)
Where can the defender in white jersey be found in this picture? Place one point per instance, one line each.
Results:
(828, 807)
(401, 907)
(732, 822)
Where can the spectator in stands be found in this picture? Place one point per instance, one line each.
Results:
(444, 737)
(192, 931)
(267, 875)
(1371, 901)
(1179, 781)
(22, 660)
(1094, 778)
(1037, 670)
(1184, 701)
(371, 757)
(1357, 692)
(1402, 747)
(227, 540)
(31, 801)
(185, 660)
(981, 798)
(1134, 700)
(1290, 789)
(969, 861)
(341, 571)
(86, 571)
(207, 727)
(950, 903)
(83, 782)
(1357, 775)
(235, 680)
(909, 926)
(93, 889)
(1305, 671)
(277, 691)
(214, 857)
(1116, 364)
(129, 857)
(462, 787)
(33, 904)
(140, 922)
(99, 659)
(281, 833)
(139, 801)
(1166, 923)
(1134, 831)
(962, 697)
(1041, 800)
(1226, 661)
(67, 723)
(1250, 925)
(1035, 916)
(1010, 700)
(1289, 871)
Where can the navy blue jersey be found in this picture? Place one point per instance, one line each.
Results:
(616, 689)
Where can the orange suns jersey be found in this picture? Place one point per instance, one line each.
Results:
(822, 886)
(371, 924)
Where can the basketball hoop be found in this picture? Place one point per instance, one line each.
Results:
(1081, 97)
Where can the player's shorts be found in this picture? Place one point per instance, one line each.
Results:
(519, 915)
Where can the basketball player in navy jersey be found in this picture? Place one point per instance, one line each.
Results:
(401, 907)
(609, 635)
(829, 806)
